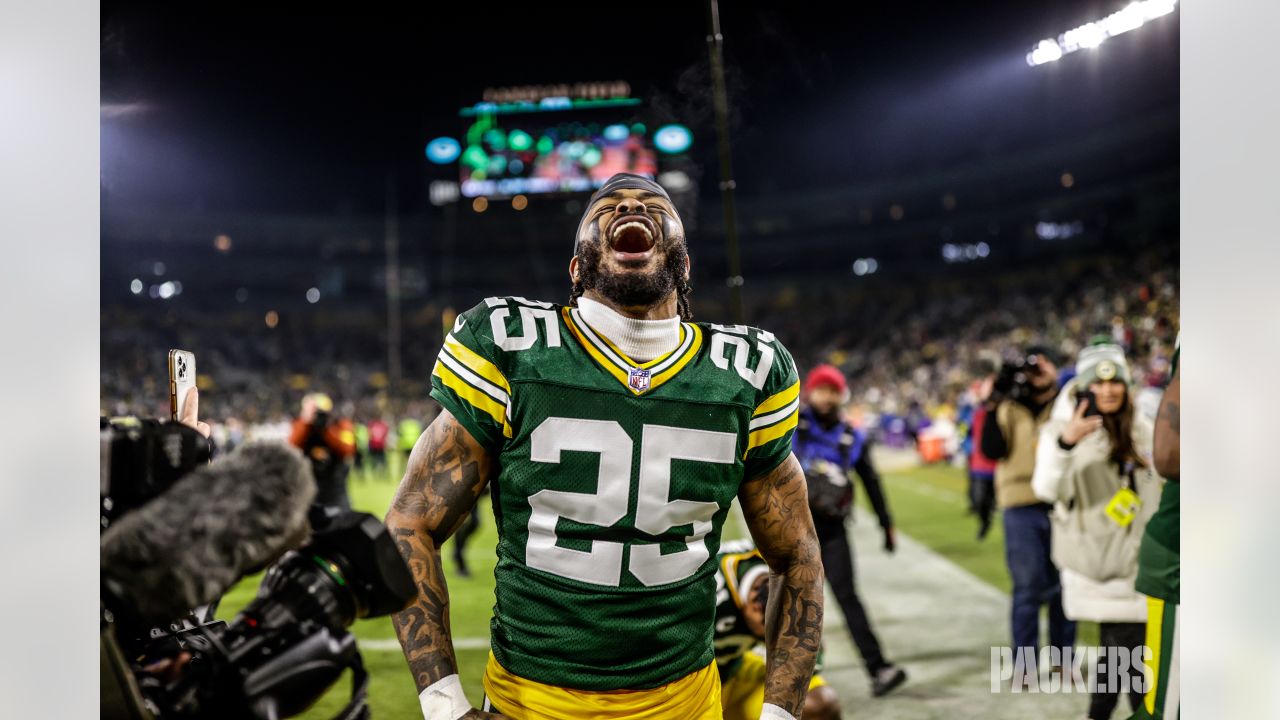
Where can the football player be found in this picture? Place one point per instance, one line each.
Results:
(742, 593)
(614, 433)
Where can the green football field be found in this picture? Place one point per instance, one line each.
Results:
(928, 504)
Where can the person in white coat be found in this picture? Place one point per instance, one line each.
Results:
(1093, 462)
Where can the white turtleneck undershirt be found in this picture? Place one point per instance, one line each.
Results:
(640, 340)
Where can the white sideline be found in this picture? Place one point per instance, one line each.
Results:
(939, 622)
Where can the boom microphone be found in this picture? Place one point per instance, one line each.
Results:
(186, 547)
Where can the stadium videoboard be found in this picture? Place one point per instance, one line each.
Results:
(563, 146)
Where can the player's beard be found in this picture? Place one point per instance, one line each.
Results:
(631, 289)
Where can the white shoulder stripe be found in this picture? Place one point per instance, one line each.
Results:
(485, 386)
(775, 416)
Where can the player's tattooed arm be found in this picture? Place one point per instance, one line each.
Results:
(776, 507)
(446, 473)
(1166, 452)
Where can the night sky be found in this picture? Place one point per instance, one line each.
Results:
(274, 112)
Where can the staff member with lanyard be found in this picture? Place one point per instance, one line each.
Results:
(828, 448)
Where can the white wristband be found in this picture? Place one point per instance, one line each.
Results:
(444, 700)
(772, 712)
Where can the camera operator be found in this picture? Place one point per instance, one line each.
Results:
(329, 443)
(1020, 404)
(830, 450)
(120, 696)
(179, 531)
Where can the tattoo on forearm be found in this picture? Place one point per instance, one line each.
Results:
(445, 475)
(1171, 416)
(777, 510)
(803, 619)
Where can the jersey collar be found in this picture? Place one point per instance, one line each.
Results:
(637, 377)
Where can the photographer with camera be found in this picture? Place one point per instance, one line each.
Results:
(330, 444)
(1019, 405)
(830, 450)
(179, 531)
(1093, 463)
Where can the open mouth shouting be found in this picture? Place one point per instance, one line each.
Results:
(632, 238)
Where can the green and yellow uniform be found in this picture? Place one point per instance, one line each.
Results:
(614, 481)
(1159, 578)
(742, 671)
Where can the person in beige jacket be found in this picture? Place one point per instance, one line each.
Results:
(1021, 402)
(1093, 462)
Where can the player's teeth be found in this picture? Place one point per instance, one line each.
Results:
(624, 226)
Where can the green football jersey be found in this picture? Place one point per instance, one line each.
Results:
(614, 479)
(1159, 555)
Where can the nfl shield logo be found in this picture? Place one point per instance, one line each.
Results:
(639, 380)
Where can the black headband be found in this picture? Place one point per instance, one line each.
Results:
(628, 181)
(620, 181)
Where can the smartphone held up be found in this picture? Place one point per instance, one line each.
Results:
(182, 377)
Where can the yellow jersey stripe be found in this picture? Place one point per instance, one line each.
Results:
(601, 346)
(729, 566)
(473, 379)
(1155, 628)
(675, 369)
(598, 356)
(475, 363)
(473, 396)
(692, 341)
(761, 421)
(644, 365)
(773, 432)
(778, 400)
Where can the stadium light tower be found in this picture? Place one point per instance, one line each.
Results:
(1091, 35)
(715, 41)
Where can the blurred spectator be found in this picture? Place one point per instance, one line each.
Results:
(407, 433)
(829, 449)
(1018, 407)
(464, 533)
(329, 443)
(982, 469)
(1104, 492)
(378, 432)
(362, 449)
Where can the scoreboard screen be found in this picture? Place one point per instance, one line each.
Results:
(559, 151)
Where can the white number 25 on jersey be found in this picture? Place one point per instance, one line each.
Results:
(655, 512)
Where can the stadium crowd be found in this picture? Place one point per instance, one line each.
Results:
(909, 356)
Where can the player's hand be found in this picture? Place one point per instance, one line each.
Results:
(191, 413)
(890, 539)
(1080, 426)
